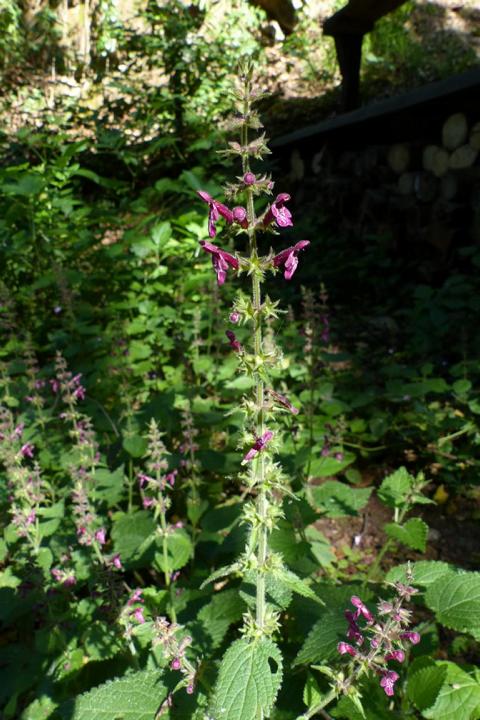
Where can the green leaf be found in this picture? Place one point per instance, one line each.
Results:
(425, 680)
(394, 489)
(327, 466)
(224, 609)
(455, 599)
(101, 641)
(132, 534)
(335, 499)
(248, 681)
(461, 387)
(296, 584)
(136, 696)
(443, 690)
(40, 709)
(413, 533)
(136, 445)
(425, 572)
(179, 550)
(322, 640)
(277, 594)
(221, 573)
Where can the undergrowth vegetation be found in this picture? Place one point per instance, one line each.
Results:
(192, 458)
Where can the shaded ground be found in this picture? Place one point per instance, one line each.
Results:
(453, 536)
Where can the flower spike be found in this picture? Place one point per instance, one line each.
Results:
(215, 209)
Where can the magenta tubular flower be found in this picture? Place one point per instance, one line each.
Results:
(117, 562)
(220, 260)
(234, 317)
(27, 450)
(100, 536)
(215, 210)
(233, 342)
(344, 648)
(389, 678)
(353, 632)
(413, 637)
(258, 445)
(138, 615)
(397, 655)
(361, 609)
(175, 664)
(278, 212)
(289, 258)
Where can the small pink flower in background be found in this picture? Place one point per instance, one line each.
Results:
(31, 518)
(116, 562)
(170, 477)
(278, 212)
(138, 615)
(389, 678)
(240, 216)
(70, 580)
(100, 536)
(344, 648)
(289, 258)
(234, 317)
(258, 445)
(233, 342)
(220, 260)
(142, 479)
(353, 632)
(27, 450)
(190, 689)
(215, 210)
(249, 178)
(175, 664)
(147, 502)
(135, 597)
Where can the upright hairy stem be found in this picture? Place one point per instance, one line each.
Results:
(262, 499)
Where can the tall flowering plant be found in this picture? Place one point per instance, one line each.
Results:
(259, 565)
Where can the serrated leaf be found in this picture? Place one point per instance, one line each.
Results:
(443, 690)
(322, 640)
(224, 609)
(179, 550)
(425, 572)
(413, 533)
(220, 573)
(101, 641)
(248, 681)
(455, 599)
(296, 584)
(394, 489)
(335, 499)
(277, 594)
(136, 696)
(327, 466)
(131, 533)
(425, 680)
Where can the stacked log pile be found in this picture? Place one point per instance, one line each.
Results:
(422, 191)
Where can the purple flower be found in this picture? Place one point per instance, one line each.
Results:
(135, 597)
(142, 479)
(147, 502)
(361, 609)
(249, 178)
(170, 477)
(175, 664)
(344, 648)
(215, 210)
(389, 678)
(100, 536)
(413, 637)
(138, 615)
(116, 562)
(353, 632)
(233, 342)
(278, 212)
(31, 517)
(240, 216)
(190, 689)
(258, 445)
(234, 317)
(289, 258)
(338, 456)
(220, 260)
(27, 450)
(397, 655)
